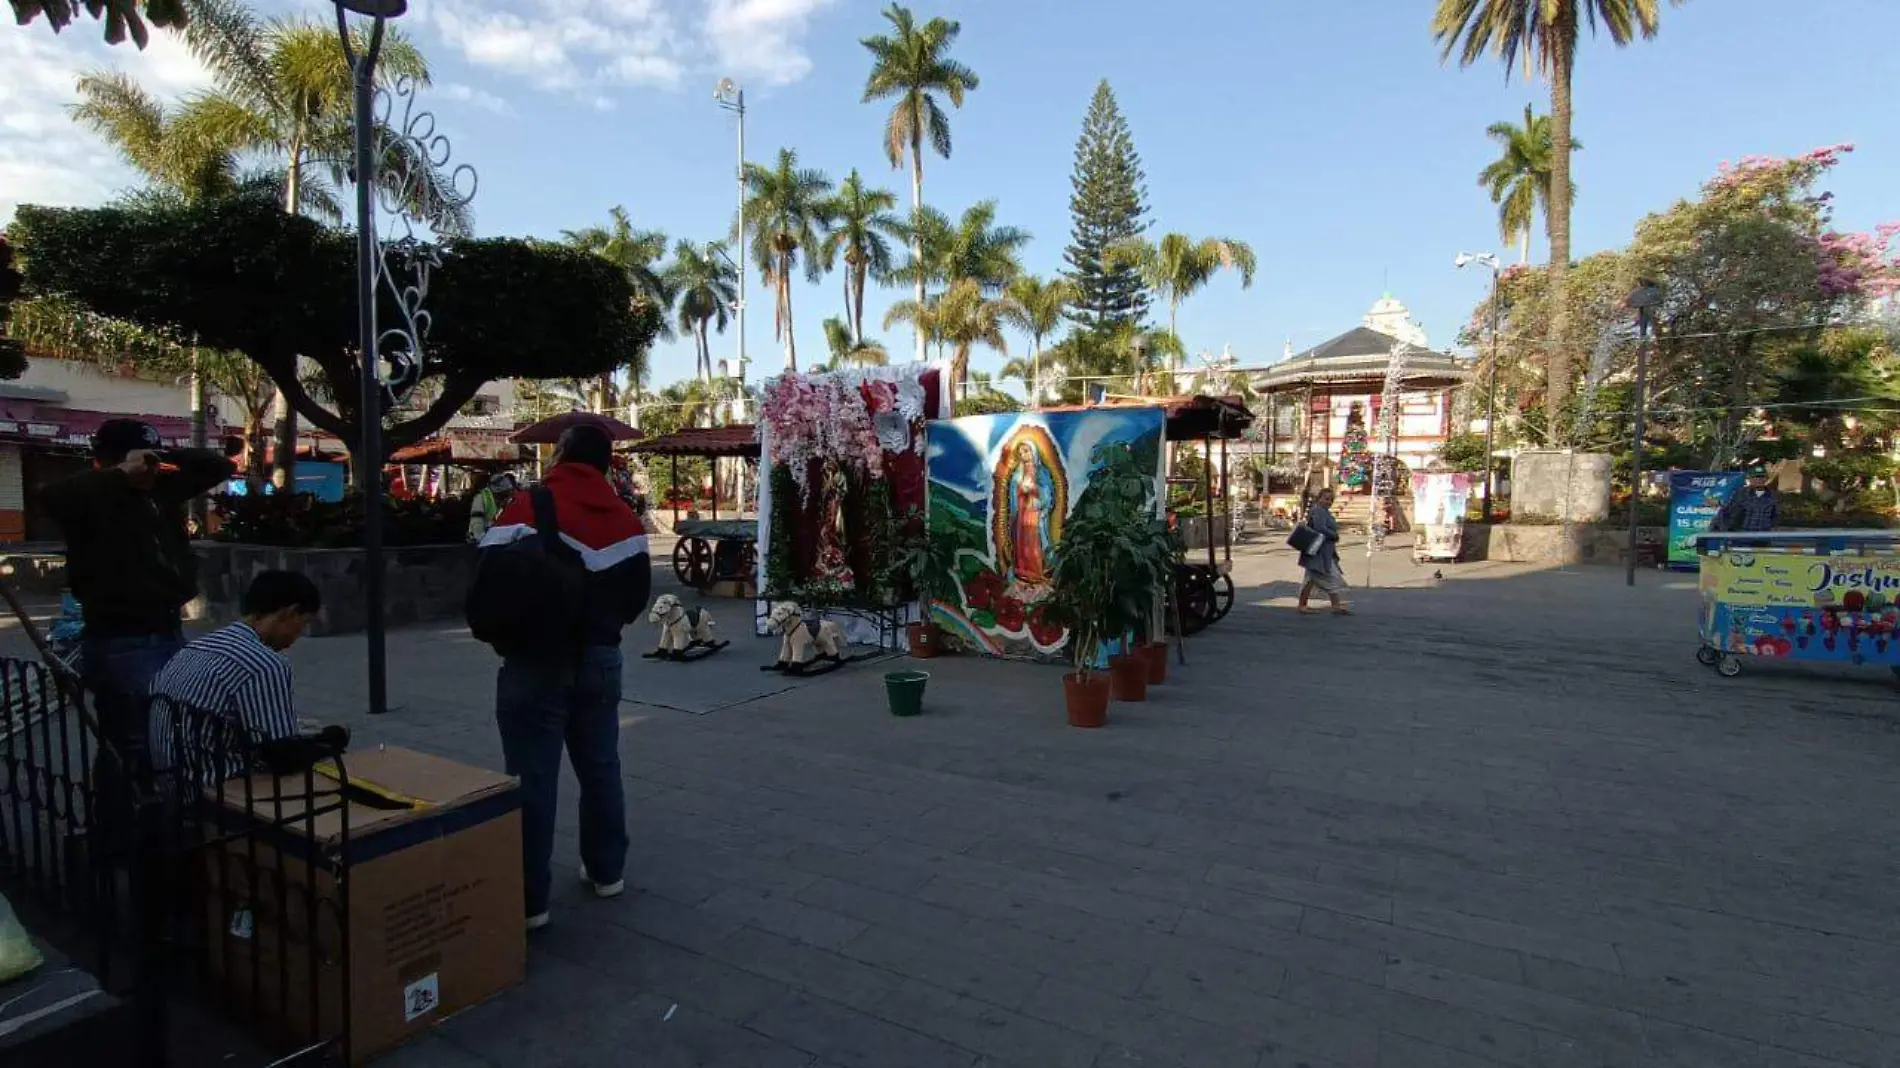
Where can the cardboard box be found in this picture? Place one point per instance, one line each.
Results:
(434, 898)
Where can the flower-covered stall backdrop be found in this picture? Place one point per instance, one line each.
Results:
(841, 474)
(1000, 488)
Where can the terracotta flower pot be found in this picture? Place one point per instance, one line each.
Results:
(1128, 677)
(1087, 699)
(923, 640)
(1156, 656)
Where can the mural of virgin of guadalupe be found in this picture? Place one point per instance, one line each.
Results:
(1029, 498)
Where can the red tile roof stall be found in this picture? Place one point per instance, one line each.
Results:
(741, 439)
(714, 443)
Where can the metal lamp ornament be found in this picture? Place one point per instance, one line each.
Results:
(396, 162)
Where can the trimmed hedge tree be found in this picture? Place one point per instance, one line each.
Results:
(240, 274)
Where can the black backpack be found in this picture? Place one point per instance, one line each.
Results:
(529, 596)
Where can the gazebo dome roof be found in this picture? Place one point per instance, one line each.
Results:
(1361, 355)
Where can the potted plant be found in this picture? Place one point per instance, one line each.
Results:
(1082, 575)
(927, 568)
(1155, 547)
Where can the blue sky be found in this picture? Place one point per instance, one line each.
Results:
(1328, 135)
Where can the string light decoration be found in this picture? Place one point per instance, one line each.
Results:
(1385, 459)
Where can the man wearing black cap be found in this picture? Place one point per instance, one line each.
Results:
(129, 562)
(1753, 509)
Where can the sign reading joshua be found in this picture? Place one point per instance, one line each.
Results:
(1865, 577)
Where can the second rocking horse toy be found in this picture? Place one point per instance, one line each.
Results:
(805, 649)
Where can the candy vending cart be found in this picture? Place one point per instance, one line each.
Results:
(1831, 595)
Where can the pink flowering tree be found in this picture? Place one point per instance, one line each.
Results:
(1752, 270)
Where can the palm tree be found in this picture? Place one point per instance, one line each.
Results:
(637, 253)
(1035, 307)
(1178, 266)
(848, 350)
(1545, 34)
(975, 248)
(861, 220)
(963, 317)
(1519, 179)
(147, 136)
(913, 66)
(786, 209)
(284, 88)
(705, 283)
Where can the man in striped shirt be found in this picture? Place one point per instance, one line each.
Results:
(237, 671)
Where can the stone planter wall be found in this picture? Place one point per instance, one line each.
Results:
(1194, 530)
(421, 583)
(1519, 543)
(1545, 483)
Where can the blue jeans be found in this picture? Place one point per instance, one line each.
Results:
(118, 670)
(540, 708)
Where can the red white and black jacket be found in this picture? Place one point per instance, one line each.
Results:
(609, 537)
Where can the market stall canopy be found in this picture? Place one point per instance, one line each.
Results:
(1359, 356)
(548, 431)
(24, 422)
(461, 448)
(1195, 417)
(741, 439)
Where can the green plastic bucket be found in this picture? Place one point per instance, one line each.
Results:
(905, 690)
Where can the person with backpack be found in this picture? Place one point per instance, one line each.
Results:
(563, 569)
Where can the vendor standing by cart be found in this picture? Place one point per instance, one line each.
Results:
(1754, 507)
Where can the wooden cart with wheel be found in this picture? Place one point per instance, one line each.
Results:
(1204, 588)
(710, 551)
(714, 555)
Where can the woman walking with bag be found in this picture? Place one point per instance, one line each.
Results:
(1320, 557)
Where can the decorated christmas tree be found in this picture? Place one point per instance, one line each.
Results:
(1355, 459)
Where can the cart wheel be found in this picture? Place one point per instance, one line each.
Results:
(1223, 594)
(1707, 656)
(1194, 592)
(700, 565)
(683, 560)
(1728, 667)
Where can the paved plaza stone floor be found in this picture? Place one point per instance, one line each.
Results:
(1501, 818)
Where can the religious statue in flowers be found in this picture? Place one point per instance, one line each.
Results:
(832, 540)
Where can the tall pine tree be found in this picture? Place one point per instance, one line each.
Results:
(1110, 205)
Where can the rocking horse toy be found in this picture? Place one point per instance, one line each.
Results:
(685, 633)
(805, 650)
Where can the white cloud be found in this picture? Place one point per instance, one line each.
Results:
(480, 98)
(763, 39)
(592, 47)
(45, 158)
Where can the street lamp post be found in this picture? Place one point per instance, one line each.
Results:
(1491, 390)
(731, 96)
(370, 397)
(1643, 300)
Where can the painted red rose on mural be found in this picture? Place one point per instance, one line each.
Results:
(983, 590)
(1010, 615)
(1045, 631)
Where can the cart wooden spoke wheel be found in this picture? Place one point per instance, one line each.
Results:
(693, 562)
(1223, 595)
